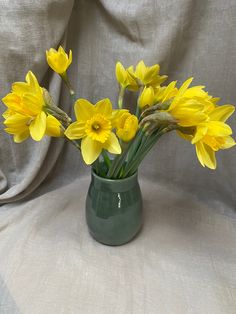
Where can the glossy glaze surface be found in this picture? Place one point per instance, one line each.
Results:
(114, 209)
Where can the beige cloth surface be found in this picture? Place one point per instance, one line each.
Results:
(184, 259)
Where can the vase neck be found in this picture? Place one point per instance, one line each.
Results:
(119, 185)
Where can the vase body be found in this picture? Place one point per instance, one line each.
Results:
(114, 209)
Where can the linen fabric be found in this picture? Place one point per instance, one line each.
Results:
(184, 259)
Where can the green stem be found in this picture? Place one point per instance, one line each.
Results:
(121, 97)
(138, 111)
(69, 86)
(140, 156)
(106, 159)
(135, 144)
(95, 166)
(151, 141)
(74, 142)
(59, 115)
(118, 161)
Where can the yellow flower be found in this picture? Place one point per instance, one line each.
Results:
(59, 60)
(53, 127)
(190, 106)
(159, 94)
(148, 76)
(94, 126)
(212, 135)
(26, 114)
(127, 127)
(146, 98)
(124, 78)
(116, 115)
(165, 93)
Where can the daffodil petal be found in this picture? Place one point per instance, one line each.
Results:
(184, 86)
(228, 142)
(104, 107)
(206, 155)
(84, 109)
(20, 88)
(151, 73)
(53, 127)
(32, 80)
(140, 70)
(62, 63)
(121, 74)
(200, 133)
(16, 119)
(75, 130)
(19, 138)
(112, 144)
(32, 103)
(12, 101)
(147, 97)
(38, 127)
(218, 128)
(222, 113)
(90, 150)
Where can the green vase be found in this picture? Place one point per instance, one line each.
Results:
(114, 209)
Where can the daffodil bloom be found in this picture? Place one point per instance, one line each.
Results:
(53, 127)
(124, 78)
(94, 126)
(146, 98)
(190, 106)
(148, 76)
(116, 115)
(26, 115)
(212, 135)
(214, 139)
(127, 127)
(159, 94)
(59, 60)
(165, 93)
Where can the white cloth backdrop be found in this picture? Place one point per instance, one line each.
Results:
(184, 260)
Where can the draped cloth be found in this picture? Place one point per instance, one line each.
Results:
(184, 259)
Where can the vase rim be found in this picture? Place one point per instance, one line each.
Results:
(114, 180)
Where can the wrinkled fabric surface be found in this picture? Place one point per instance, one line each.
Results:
(184, 259)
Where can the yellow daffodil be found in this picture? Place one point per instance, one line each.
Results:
(165, 93)
(189, 106)
(148, 76)
(94, 126)
(26, 114)
(116, 115)
(124, 78)
(127, 127)
(159, 94)
(146, 98)
(53, 127)
(212, 135)
(59, 60)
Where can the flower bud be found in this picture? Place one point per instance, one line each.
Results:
(58, 60)
(146, 98)
(127, 127)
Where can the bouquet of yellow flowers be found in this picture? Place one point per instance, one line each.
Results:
(100, 131)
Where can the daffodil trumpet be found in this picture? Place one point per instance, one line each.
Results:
(115, 141)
